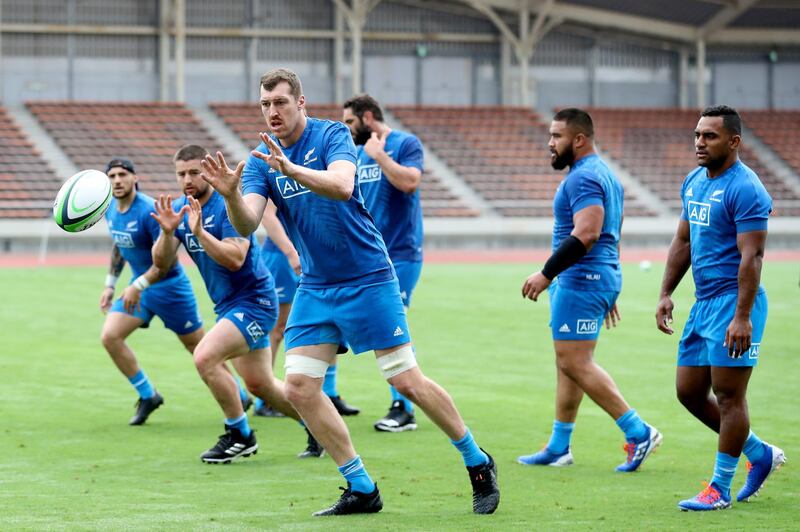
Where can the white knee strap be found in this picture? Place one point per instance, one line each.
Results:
(397, 362)
(303, 365)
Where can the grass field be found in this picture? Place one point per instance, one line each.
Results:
(70, 461)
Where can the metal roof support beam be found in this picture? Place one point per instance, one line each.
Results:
(338, 56)
(180, 50)
(701, 74)
(724, 17)
(683, 79)
(356, 17)
(530, 33)
(609, 19)
(163, 49)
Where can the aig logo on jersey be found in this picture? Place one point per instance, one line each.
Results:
(698, 213)
(289, 188)
(122, 240)
(369, 173)
(192, 244)
(587, 327)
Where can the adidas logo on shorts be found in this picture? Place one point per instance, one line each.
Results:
(398, 332)
(564, 329)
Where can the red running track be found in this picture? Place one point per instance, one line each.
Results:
(433, 256)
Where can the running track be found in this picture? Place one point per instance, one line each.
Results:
(433, 256)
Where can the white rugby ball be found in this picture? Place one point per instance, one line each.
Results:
(82, 200)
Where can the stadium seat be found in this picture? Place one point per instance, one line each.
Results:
(27, 184)
(246, 121)
(91, 133)
(656, 147)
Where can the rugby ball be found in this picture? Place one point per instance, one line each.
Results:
(82, 200)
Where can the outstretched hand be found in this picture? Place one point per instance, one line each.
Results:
(219, 175)
(166, 216)
(195, 212)
(275, 158)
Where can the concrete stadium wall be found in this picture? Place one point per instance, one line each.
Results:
(33, 236)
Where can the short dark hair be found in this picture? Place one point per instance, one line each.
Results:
(122, 163)
(190, 152)
(361, 103)
(271, 79)
(577, 119)
(731, 120)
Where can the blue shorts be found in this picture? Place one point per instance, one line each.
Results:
(173, 301)
(578, 314)
(364, 317)
(704, 333)
(407, 275)
(285, 278)
(253, 318)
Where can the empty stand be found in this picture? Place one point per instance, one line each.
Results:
(657, 147)
(28, 186)
(501, 152)
(91, 133)
(247, 121)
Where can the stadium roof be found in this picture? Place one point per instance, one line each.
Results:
(712, 21)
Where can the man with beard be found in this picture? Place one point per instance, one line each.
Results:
(389, 175)
(721, 236)
(588, 219)
(243, 293)
(163, 292)
(348, 293)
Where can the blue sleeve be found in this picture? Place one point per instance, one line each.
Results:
(180, 231)
(254, 175)
(583, 190)
(750, 206)
(411, 153)
(683, 192)
(338, 144)
(228, 231)
(151, 225)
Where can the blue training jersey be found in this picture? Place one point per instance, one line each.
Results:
(717, 210)
(225, 287)
(134, 232)
(397, 215)
(590, 182)
(337, 240)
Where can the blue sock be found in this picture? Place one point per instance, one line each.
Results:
(754, 448)
(724, 469)
(329, 384)
(397, 396)
(259, 403)
(559, 439)
(242, 391)
(239, 423)
(470, 452)
(354, 473)
(142, 385)
(632, 425)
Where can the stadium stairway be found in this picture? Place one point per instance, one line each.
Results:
(27, 181)
(229, 141)
(448, 177)
(768, 156)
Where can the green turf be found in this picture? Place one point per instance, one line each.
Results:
(70, 461)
